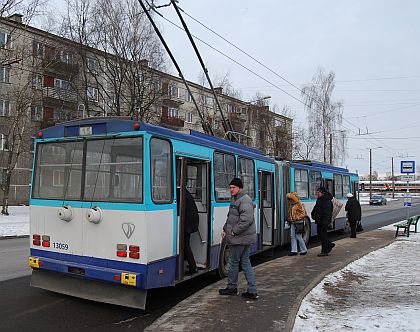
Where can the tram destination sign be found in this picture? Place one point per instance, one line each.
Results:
(408, 166)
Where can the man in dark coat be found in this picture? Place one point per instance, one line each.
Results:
(190, 226)
(354, 213)
(322, 214)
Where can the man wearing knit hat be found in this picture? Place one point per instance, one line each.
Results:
(240, 233)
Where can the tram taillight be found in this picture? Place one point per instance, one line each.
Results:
(36, 239)
(45, 240)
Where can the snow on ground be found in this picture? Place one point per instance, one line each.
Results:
(379, 292)
(16, 223)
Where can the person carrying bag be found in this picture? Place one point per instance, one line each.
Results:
(296, 217)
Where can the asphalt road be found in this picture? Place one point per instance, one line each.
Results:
(23, 308)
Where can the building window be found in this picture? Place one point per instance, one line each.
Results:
(92, 93)
(61, 115)
(189, 117)
(188, 97)
(4, 142)
(37, 49)
(82, 111)
(3, 176)
(63, 56)
(173, 92)
(61, 84)
(36, 113)
(37, 81)
(209, 101)
(92, 65)
(4, 107)
(4, 39)
(4, 74)
(173, 112)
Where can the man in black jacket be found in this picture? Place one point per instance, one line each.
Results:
(322, 214)
(354, 213)
(190, 226)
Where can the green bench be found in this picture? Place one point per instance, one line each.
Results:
(412, 221)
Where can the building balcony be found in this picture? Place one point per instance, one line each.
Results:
(59, 67)
(69, 96)
(172, 121)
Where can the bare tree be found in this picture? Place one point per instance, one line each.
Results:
(305, 143)
(120, 56)
(15, 125)
(322, 112)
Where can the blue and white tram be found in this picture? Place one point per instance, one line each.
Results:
(107, 205)
(105, 209)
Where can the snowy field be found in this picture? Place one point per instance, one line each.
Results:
(379, 292)
(16, 223)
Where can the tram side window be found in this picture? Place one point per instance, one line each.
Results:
(58, 171)
(301, 183)
(161, 170)
(338, 186)
(114, 170)
(224, 172)
(246, 172)
(346, 185)
(315, 182)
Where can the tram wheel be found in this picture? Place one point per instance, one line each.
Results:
(223, 268)
(307, 234)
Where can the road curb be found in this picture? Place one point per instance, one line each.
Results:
(295, 307)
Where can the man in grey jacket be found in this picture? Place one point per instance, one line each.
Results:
(240, 234)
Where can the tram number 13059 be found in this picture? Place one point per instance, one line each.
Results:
(62, 246)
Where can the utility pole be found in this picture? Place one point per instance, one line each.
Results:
(393, 182)
(370, 173)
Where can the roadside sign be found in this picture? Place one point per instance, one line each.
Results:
(408, 167)
(407, 200)
(408, 178)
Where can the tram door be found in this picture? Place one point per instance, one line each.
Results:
(193, 176)
(266, 194)
(329, 185)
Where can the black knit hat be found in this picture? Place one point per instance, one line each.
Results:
(236, 182)
(322, 190)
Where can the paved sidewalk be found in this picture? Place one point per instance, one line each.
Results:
(282, 284)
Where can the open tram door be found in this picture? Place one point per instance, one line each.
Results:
(266, 203)
(192, 175)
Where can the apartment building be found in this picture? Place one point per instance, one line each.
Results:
(46, 79)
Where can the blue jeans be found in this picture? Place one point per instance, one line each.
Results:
(294, 238)
(240, 253)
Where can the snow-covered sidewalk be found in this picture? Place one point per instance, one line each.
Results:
(379, 292)
(16, 223)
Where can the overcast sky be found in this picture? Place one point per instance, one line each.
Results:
(372, 46)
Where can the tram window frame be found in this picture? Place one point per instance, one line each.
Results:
(336, 193)
(244, 181)
(226, 185)
(346, 185)
(301, 171)
(313, 185)
(171, 175)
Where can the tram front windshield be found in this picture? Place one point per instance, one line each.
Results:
(90, 170)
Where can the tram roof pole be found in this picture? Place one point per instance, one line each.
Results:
(207, 129)
(227, 126)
